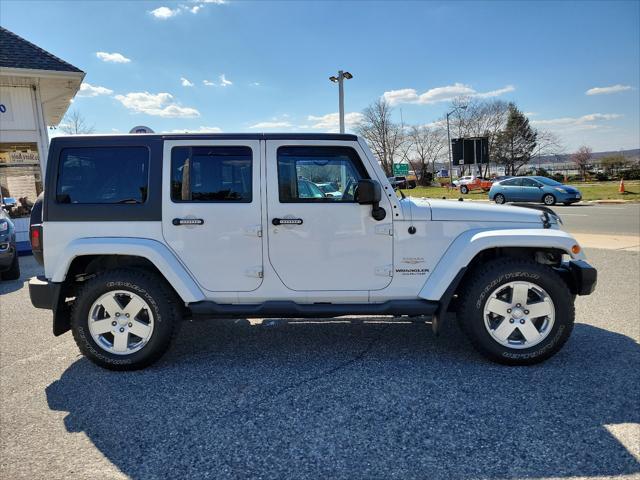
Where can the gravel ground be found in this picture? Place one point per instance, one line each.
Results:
(364, 399)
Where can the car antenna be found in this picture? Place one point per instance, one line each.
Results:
(402, 193)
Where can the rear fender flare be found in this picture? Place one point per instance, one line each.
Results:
(156, 252)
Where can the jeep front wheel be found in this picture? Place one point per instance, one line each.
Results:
(517, 312)
(124, 319)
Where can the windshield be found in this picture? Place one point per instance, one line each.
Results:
(548, 181)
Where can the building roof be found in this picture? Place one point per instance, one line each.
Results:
(16, 52)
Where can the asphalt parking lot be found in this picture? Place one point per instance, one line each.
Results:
(341, 399)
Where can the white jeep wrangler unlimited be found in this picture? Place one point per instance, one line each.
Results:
(138, 231)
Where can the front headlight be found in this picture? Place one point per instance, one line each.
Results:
(560, 189)
(4, 226)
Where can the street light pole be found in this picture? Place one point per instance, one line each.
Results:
(340, 81)
(462, 107)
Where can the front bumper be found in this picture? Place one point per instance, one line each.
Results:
(7, 252)
(581, 277)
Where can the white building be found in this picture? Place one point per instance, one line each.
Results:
(36, 89)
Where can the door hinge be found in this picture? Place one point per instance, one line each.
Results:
(384, 271)
(256, 272)
(254, 230)
(385, 229)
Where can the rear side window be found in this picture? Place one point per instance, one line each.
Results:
(514, 182)
(103, 175)
(211, 174)
(305, 173)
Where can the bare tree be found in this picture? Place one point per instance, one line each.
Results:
(548, 143)
(427, 145)
(74, 123)
(480, 118)
(581, 158)
(385, 138)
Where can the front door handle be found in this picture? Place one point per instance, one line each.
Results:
(187, 221)
(287, 221)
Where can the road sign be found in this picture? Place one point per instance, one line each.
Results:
(401, 169)
(462, 150)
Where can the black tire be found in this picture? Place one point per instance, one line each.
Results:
(14, 271)
(498, 272)
(152, 289)
(499, 199)
(464, 189)
(548, 199)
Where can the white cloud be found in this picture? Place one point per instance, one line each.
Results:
(197, 130)
(585, 122)
(608, 90)
(159, 104)
(224, 82)
(185, 82)
(275, 124)
(112, 57)
(331, 121)
(88, 90)
(440, 94)
(164, 13)
(208, 83)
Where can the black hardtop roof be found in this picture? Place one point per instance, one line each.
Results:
(205, 136)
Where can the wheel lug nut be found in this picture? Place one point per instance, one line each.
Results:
(117, 314)
(522, 322)
(114, 323)
(511, 320)
(126, 315)
(526, 312)
(508, 310)
(121, 330)
(518, 305)
(130, 324)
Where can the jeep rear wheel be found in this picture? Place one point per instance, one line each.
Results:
(124, 319)
(517, 312)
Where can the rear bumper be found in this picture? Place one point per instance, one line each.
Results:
(581, 277)
(43, 293)
(50, 296)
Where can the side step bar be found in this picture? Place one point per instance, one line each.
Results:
(289, 309)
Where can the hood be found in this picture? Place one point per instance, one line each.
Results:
(455, 211)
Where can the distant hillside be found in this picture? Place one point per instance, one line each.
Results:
(566, 158)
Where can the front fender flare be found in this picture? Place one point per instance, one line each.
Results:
(470, 243)
(157, 253)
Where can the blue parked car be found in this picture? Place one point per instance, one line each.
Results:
(533, 189)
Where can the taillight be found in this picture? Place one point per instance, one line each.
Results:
(35, 235)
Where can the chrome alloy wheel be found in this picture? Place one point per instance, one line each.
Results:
(519, 314)
(120, 322)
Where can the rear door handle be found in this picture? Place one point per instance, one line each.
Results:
(287, 221)
(187, 221)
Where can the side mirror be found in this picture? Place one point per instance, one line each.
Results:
(370, 193)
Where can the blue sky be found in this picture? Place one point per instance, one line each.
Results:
(264, 66)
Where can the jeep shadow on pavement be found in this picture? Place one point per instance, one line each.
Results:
(346, 400)
(139, 231)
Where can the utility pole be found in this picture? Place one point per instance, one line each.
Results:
(340, 81)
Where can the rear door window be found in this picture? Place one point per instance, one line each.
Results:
(103, 175)
(211, 174)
